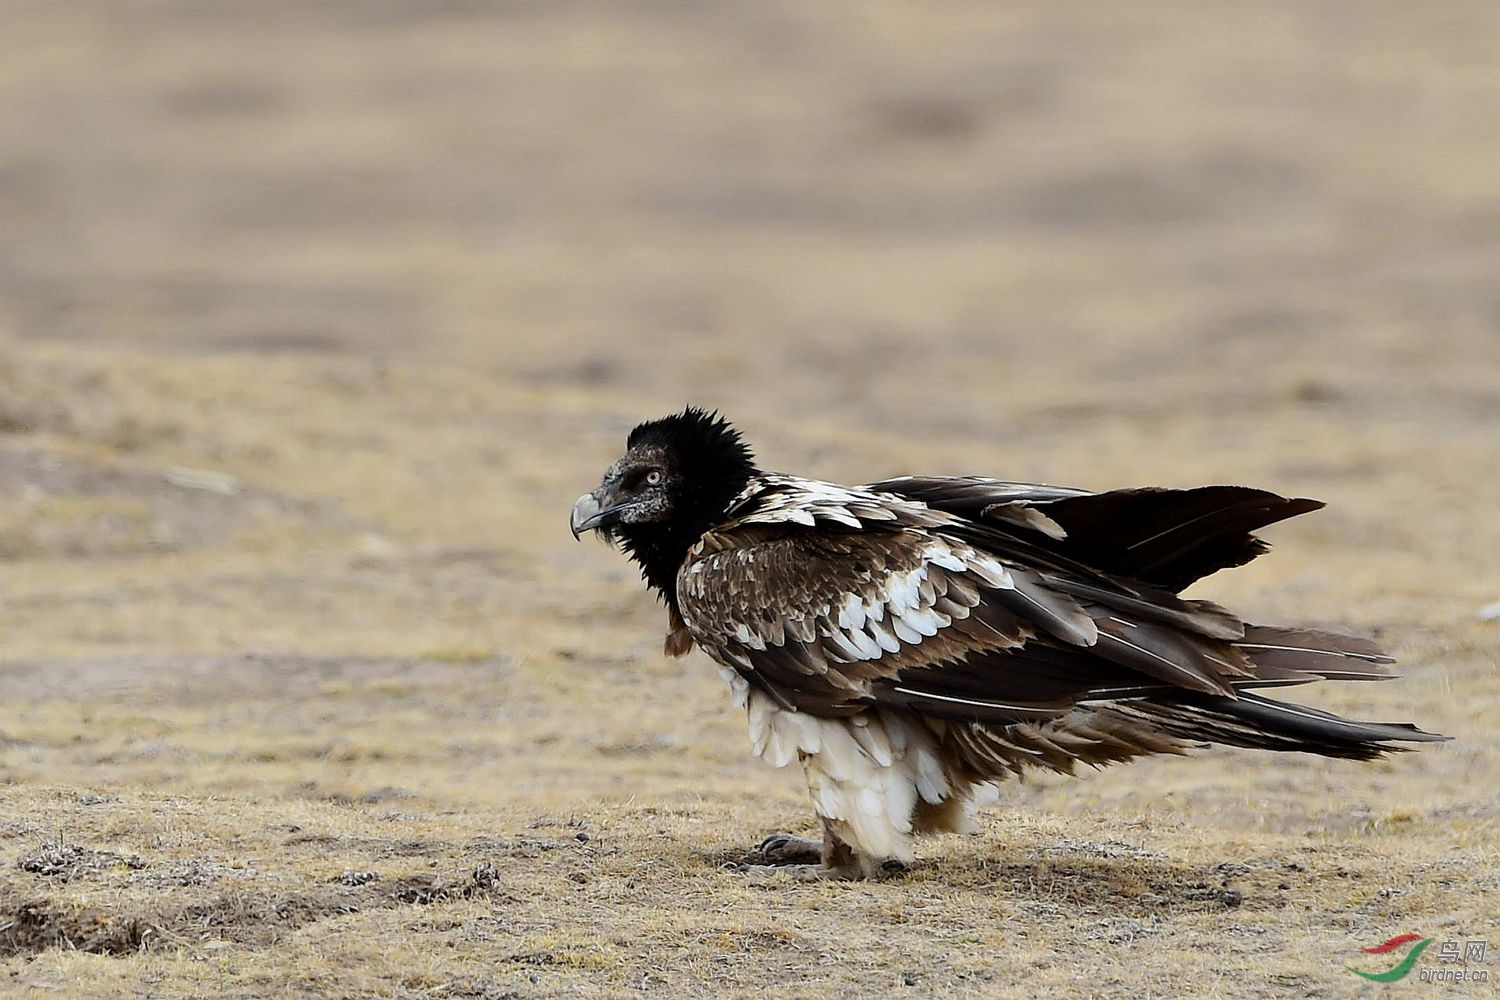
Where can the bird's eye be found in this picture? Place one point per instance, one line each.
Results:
(653, 478)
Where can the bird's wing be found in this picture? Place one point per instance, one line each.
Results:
(1164, 537)
(830, 599)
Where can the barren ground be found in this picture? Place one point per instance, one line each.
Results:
(315, 318)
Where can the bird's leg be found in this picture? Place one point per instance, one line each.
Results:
(809, 861)
(838, 857)
(841, 860)
(831, 852)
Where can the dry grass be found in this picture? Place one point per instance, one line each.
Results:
(313, 324)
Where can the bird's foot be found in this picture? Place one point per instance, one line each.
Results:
(830, 859)
(785, 849)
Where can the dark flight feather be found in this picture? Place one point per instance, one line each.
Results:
(1167, 537)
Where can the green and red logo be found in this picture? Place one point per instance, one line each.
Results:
(1401, 968)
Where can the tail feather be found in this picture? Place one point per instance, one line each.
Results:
(1261, 723)
(1314, 653)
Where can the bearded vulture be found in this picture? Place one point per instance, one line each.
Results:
(915, 640)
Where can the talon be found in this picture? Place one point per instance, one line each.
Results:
(785, 849)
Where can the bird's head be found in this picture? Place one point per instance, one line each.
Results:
(681, 470)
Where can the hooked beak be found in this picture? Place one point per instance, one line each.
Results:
(588, 515)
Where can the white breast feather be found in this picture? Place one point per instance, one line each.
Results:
(866, 773)
(739, 688)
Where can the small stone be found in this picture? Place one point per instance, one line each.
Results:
(94, 800)
(355, 878)
(486, 876)
(207, 480)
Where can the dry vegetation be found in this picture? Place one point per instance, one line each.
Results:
(315, 318)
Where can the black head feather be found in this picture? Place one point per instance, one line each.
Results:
(677, 478)
(706, 447)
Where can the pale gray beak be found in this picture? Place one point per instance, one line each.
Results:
(587, 515)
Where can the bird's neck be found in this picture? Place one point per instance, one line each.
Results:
(660, 549)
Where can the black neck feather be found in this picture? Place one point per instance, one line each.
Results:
(660, 549)
(712, 465)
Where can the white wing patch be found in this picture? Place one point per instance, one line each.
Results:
(809, 501)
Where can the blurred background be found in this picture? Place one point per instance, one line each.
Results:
(694, 199)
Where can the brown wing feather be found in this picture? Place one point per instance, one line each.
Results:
(834, 600)
(828, 620)
(814, 618)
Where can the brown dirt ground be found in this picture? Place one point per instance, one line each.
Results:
(315, 318)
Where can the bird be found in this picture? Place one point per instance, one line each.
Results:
(916, 641)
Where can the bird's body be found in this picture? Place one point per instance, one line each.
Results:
(916, 640)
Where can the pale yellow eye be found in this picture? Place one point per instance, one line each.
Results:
(653, 478)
